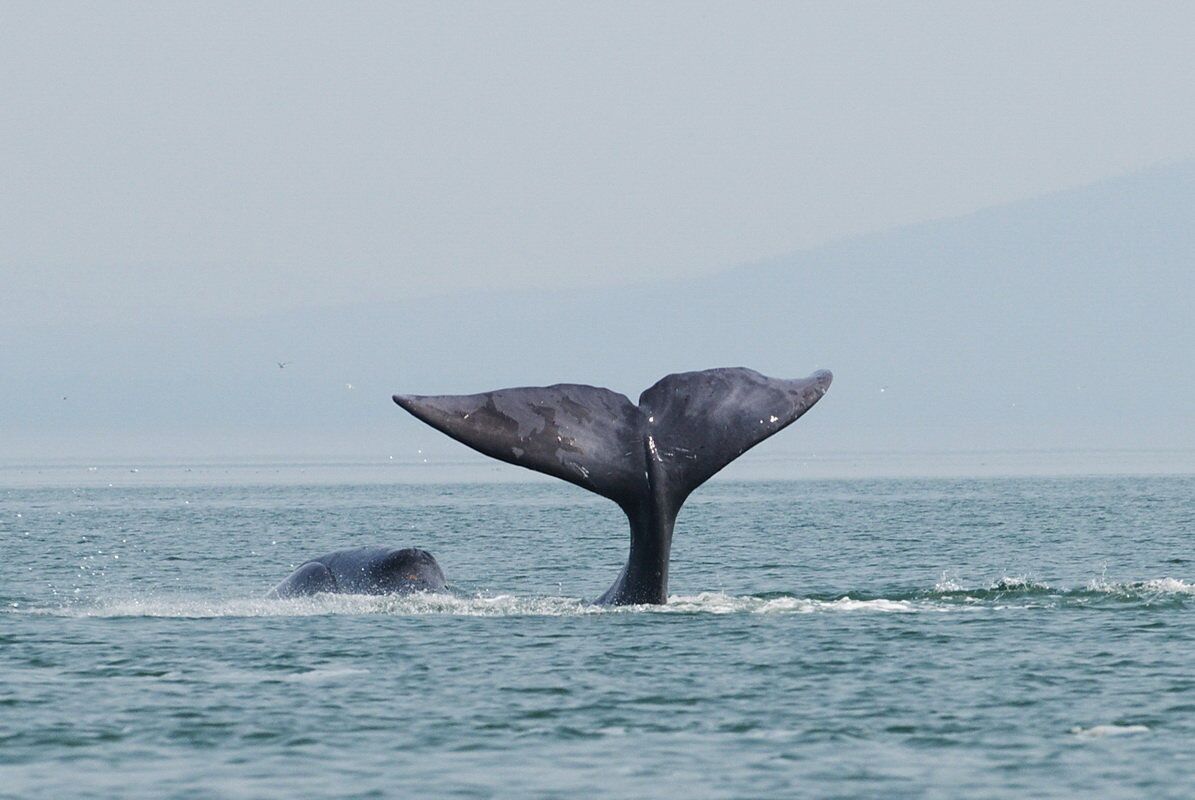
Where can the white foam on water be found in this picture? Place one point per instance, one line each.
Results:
(183, 607)
(480, 605)
(718, 603)
(1147, 590)
(506, 605)
(1153, 587)
(947, 584)
(1014, 583)
(327, 674)
(1098, 731)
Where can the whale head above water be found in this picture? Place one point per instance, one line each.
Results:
(365, 570)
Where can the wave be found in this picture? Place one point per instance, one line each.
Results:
(719, 603)
(480, 605)
(1013, 587)
(1099, 731)
(1160, 587)
(946, 596)
(320, 675)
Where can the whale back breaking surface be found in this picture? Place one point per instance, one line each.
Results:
(647, 458)
(365, 570)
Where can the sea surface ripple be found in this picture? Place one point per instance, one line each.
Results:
(991, 637)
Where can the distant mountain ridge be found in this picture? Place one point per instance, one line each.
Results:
(1062, 321)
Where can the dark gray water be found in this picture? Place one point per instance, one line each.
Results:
(895, 638)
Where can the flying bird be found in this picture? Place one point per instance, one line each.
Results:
(282, 364)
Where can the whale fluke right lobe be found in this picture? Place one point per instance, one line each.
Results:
(701, 421)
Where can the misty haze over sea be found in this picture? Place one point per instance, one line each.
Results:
(1056, 324)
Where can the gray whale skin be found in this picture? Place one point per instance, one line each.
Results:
(365, 570)
(647, 458)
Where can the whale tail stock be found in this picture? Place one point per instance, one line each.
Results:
(646, 458)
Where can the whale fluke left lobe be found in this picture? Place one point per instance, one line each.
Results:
(582, 434)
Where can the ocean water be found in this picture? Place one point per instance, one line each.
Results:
(994, 637)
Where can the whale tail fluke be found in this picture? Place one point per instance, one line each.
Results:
(692, 423)
(647, 458)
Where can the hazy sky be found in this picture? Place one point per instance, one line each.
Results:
(233, 157)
